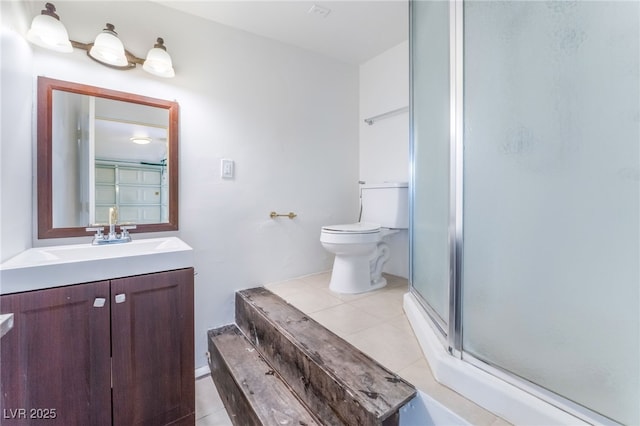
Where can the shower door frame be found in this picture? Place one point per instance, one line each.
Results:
(451, 333)
(456, 179)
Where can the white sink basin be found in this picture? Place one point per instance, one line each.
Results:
(45, 267)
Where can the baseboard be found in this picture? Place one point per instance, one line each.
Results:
(202, 371)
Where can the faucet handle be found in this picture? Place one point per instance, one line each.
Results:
(97, 229)
(99, 234)
(124, 230)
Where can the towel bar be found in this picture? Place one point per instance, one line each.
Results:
(290, 215)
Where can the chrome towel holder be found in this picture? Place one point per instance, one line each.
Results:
(387, 114)
(290, 215)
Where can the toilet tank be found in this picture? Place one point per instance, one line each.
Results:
(386, 204)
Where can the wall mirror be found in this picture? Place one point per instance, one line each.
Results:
(100, 148)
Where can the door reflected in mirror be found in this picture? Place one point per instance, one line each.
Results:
(99, 149)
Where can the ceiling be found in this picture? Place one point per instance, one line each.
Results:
(353, 31)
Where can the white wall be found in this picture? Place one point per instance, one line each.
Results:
(15, 143)
(384, 87)
(384, 146)
(281, 113)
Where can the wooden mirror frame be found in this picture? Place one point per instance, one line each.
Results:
(46, 86)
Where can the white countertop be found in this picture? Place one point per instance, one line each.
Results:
(46, 267)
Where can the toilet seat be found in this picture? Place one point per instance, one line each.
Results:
(351, 233)
(352, 228)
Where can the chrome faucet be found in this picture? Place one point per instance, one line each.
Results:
(123, 237)
(99, 238)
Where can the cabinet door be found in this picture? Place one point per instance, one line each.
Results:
(152, 341)
(55, 362)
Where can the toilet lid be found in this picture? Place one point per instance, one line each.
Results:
(354, 228)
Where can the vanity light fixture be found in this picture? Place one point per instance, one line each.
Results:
(47, 31)
(140, 140)
(108, 49)
(158, 61)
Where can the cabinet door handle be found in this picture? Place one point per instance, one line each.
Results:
(99, 302)
(120, 298)
(6, 323)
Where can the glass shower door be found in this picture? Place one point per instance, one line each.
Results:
(430, 149)
(551, 286)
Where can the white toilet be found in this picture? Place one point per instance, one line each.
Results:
(359, 248)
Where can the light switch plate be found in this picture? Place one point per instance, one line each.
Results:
(226, 168)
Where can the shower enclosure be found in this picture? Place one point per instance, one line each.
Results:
(525, 194)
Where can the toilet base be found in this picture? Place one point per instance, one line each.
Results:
(352, 275)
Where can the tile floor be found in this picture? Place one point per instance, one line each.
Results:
(373, 322)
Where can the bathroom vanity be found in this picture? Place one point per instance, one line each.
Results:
(112, 351)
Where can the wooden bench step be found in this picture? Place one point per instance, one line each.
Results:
(252, 393)
(339, 383)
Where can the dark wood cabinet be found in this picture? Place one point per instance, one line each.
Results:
(152, 340)
(55, 363)
(116, 352)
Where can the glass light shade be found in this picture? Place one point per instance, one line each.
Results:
(159, 63)
(48, 32)
(109, 50)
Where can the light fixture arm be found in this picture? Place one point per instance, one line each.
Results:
(131, 58)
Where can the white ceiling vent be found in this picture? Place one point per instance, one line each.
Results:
(316, 10)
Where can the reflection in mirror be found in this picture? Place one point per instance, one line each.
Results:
(99, 149)
(119, 159)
